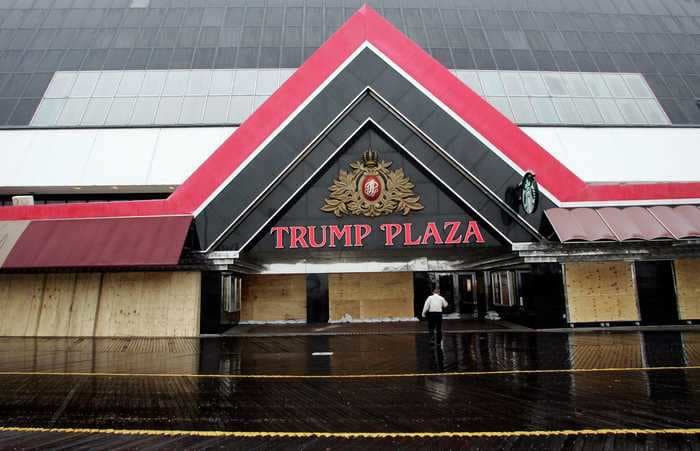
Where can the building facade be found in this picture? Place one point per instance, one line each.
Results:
(175, 168)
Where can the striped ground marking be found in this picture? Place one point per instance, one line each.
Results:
(354, 435)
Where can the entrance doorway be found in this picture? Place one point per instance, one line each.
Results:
(656, 292)
(532, 296)
(459, 289)
(317, 310)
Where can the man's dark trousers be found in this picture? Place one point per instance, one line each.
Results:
(435, 326)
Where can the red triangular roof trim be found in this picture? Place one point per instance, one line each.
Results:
(366, 25)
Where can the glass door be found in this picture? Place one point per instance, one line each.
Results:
(447, 291)
(466, 291)
(458, 289)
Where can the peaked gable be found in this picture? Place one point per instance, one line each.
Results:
(434, 203)
(293, 158)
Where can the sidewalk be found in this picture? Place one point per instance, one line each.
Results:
(378, 328)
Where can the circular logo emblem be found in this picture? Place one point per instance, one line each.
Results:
(529, 193)
(371, 188)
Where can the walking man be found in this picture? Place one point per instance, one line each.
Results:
(433, 308)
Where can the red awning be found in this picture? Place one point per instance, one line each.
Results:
(83, 242)
(621, 224)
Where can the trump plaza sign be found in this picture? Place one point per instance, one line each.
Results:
(371, 189)
(447, 233)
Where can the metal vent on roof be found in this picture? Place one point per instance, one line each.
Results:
(22, 200)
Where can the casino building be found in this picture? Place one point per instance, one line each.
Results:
(175, 168)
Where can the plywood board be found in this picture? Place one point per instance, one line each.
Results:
(20, 303)
(56, 305)
(113, 304)
(688, 288)
(149, 304)
(85, 302)
(121, 297)
(601, 292)
(183, 304)
(370, 295)
(274, 298)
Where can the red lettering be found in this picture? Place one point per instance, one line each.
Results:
(312, 236)
(452, 237)
(407, 239)
(298, 237)
(339, 234)
(391, 231)
(432, 232)
(320, 236)
(473, 231)
(279, 242)
(362, 231)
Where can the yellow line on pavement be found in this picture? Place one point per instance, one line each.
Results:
(352, 435)
(351, 376)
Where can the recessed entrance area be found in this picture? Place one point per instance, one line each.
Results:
(531, 296)
(459, 289)
(656, 292)
(317, 298)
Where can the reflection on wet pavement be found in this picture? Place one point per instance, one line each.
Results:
(380, 354)
(180, 384)
(539, 401)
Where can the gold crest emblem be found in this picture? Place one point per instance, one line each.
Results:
(371, 189)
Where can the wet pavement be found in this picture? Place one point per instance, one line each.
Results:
(368, 328)
(363, 354)
(531, 390)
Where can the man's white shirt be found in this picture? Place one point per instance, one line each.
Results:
(434, 303)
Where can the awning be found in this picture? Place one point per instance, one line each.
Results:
(94, 242)
(621, 224)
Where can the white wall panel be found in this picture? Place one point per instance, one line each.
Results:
(608, 154)
(122, 156)
(97, 159)
(138, 159)
(15, 149)
(55, 158)
(179, 152)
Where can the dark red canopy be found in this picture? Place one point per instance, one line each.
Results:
(620, 224)
(95, 242)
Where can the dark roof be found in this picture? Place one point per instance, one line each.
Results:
(38, 37)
